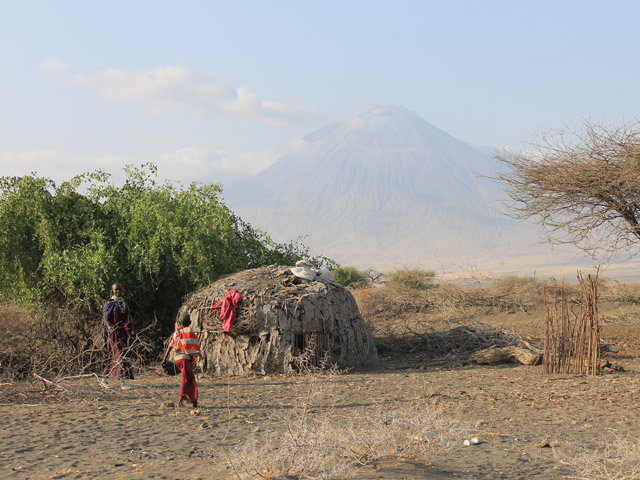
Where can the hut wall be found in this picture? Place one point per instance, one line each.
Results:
(333, 324)
(246, 354)
(242, 354)
(280, 316)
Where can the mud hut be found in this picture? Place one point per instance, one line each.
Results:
(279, 317)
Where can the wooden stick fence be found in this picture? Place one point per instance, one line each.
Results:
(572, 346)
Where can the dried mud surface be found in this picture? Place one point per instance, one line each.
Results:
(514, 410)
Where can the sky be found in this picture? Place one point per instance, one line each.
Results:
(211, 90)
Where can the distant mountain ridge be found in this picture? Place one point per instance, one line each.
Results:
(388, 189)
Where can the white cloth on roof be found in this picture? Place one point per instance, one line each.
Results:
(306, 270)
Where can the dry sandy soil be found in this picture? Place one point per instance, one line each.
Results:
(527, 422)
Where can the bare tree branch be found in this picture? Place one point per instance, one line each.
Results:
(583, 186)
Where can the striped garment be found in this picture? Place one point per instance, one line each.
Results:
(185, 344)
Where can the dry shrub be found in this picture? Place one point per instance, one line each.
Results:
(311, 441)
(414, 431)
(65, 342)
(395, 318)
(615, 461)
(28, 354)
(411, 280)
(384, 301)
(453, 301)
(16, 348)
(503, 294)
(41, 351)
(623, 293)
(45, 341)
(443, 321)
(510, 294)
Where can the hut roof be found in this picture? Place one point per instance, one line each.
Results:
(274, 285)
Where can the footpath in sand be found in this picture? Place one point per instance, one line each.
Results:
(526, 422)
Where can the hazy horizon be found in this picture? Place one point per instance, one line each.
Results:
(211, 91)
(215, 92)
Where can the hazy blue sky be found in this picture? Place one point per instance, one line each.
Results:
(207, 88)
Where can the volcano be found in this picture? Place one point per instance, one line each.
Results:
(386, 190)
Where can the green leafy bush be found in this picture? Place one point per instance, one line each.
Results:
(350, 277)
(411, 280)
(66, 244)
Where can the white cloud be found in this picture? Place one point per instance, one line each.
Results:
(54, 64)
(248, 106)
(58, 166)
(186, 165)
(250, 163)
(197, 93)
(160, 88)
(197, 163)
(43, 162)
(56, 68)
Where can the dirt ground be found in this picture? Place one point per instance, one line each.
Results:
(527, 423)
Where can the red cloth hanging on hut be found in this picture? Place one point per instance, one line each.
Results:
(227, 307)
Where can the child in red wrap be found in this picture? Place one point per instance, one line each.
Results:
(186, 351)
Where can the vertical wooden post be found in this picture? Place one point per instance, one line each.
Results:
(572, 346)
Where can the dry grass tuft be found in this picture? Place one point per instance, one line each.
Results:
(310, 440)
(615, 461)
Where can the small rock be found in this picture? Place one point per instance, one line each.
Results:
(168, 404)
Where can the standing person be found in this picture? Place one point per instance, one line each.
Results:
(117, 329)
(186, 351)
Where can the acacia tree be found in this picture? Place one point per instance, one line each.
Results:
(583, 186)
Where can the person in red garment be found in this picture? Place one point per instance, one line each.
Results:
(186, 352)
(117, 330)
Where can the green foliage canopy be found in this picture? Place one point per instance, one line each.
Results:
(348, 276)
(411, 280)
(67, 243)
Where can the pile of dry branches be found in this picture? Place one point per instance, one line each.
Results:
(41, 352)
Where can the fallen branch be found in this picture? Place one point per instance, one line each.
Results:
(49, 382)
(495, 355)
